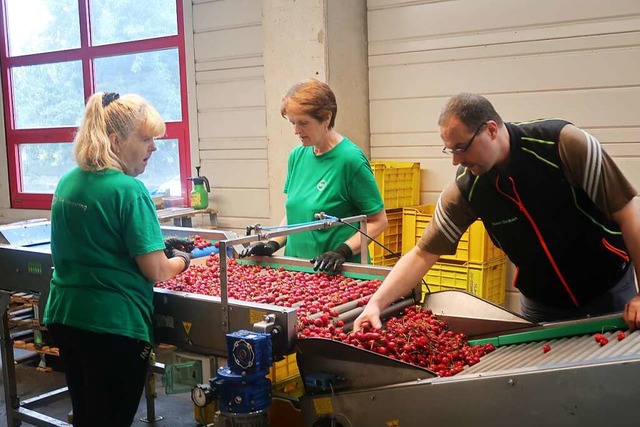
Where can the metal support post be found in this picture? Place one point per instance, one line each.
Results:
(150, 390)
(224, 293)
(11, 400)
(364, 242)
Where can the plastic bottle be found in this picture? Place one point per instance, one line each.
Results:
(199, 195)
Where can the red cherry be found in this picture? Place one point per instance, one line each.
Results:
(546, 348)
(621, 335)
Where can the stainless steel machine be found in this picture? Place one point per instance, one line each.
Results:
(577, 382)
(192, 322)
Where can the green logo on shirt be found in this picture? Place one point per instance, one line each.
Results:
(321, 185)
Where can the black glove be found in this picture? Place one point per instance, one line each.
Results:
(332, 260)
(186, 256)
(184, 245)
(260, 248)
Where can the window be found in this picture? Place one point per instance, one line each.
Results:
(56, 53)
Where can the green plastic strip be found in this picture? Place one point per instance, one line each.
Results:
(309, 269)
(546, 333)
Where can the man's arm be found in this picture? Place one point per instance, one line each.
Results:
(628, 218)
(406, 274)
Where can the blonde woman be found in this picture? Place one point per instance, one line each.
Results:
(107, 250)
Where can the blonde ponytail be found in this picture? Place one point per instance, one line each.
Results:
(122, 116)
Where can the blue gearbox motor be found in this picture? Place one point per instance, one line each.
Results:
(242, 385)
(242, 389)
(249, 351)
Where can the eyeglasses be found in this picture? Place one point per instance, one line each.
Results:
(460, 150)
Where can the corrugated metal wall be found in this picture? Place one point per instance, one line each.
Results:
(231, 107)
(575, 59)
(579, 60)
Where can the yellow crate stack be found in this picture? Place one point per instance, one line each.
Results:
(478, 266)
(475, 244)
(485, 280)
(391, 238)
(399, 184)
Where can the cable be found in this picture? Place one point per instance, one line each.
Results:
(335, 414)
(395, 254)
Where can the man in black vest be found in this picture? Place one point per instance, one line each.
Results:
(550, 197)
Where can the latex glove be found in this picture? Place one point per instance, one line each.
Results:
(184, 245)
(261, 248)
(186, 256)
(332, 260)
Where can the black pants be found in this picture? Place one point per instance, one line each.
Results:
(612, 301)
(105, 375)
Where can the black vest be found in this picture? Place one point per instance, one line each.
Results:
(565, 249)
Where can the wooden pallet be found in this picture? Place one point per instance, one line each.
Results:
(44, 349)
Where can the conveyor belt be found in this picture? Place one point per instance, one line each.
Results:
(564, 352)
(577, 383)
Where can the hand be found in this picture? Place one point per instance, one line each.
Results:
(632, 313)
(370, 314)
(261, 248)
(186, 257)
(332, 260)
(184, 245)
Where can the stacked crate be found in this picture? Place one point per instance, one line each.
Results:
(478, 266)
(399, 184)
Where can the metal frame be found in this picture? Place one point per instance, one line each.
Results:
(18, 411)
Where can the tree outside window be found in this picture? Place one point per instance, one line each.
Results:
(57, 53)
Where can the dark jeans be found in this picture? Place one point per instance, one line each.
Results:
(105, 375)
(611, 301)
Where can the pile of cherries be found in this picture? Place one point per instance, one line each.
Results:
(417, 337)
(200, 243)
(309, 293)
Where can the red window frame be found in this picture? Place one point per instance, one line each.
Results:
(86, 54)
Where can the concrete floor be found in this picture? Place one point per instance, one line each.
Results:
(176, 409)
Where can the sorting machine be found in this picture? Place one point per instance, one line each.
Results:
(577, 382)
(192, 322)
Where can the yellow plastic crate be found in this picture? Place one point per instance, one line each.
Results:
(391, 238)
(475, 244)
(284, 370)
(399, 183)
(484, 280)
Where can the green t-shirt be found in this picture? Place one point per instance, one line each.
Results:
(99, 222)
(339, 183)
